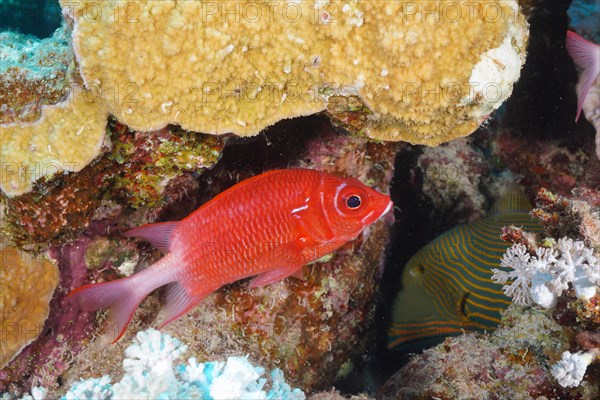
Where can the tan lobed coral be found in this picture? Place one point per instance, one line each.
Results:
(27, 287)
(66, 137)
(427, 71)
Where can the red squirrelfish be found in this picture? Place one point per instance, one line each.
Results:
(267, 226)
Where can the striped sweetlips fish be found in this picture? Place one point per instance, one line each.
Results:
(447, 286)
(267, 226)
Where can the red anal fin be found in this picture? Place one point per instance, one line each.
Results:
(180, 301)
(159, 234)
(299, 274)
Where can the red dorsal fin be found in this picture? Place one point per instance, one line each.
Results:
(159, 234)
(587, 56)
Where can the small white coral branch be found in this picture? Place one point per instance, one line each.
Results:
(542, 278)
(570, 370)
(518, 271)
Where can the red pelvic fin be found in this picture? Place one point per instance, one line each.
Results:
(159, 234)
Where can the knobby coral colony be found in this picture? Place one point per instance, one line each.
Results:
(27, 287)
(231, 86)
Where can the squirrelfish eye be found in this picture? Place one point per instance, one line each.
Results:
(353, 201)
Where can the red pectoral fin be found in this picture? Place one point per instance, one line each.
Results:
(282, 261)
(275, 276)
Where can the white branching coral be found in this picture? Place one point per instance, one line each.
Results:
(542, 278)
(569, 371)
(518, 270)
(151, 373)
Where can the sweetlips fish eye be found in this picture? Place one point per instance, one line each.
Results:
(353, 201)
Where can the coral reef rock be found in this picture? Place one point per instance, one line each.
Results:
(33, 73)
(427, 73)
(64, 332)
(512, 363)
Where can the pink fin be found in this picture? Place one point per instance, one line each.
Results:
(119, 295)
(275, 276)
(587, 56)
(159, 234)
(179, 301)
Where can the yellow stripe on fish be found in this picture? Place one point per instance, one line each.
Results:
(447, 286)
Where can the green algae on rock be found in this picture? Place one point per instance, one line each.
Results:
(135, 171)
(147, 161)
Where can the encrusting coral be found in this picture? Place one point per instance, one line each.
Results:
(27, 286)
(427, 73)
(65, 329)
(49, 124)
(140, 169)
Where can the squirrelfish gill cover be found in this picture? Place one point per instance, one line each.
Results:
(269, 226)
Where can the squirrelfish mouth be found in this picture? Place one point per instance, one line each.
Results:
(388, 208)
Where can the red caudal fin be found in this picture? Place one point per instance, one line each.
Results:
(122, 296)
(119, 295)
(159, 234)
(587, 56)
